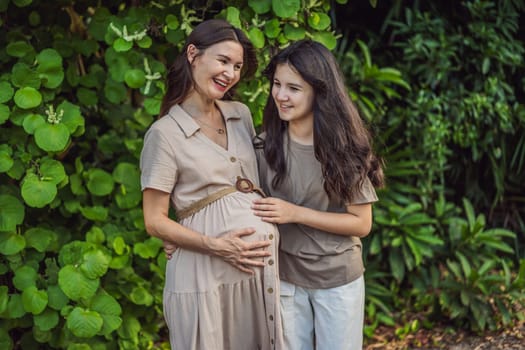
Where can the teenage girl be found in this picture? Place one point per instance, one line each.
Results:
(317, 165)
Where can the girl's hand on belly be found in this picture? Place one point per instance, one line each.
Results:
(169, 248)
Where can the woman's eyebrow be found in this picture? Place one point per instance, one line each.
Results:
(226, 57)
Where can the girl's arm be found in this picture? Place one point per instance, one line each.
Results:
(357, 221)
(231, 247)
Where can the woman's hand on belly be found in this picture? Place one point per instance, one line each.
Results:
(240, 253)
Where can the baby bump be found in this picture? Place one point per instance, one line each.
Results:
(190, 271)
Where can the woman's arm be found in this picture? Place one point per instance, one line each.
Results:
(357, 221)
(231, 247)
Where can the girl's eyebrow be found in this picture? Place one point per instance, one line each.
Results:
(295, 85)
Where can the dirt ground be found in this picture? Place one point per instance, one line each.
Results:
(438, 339)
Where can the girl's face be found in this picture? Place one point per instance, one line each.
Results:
(217, 68)
(293, 96)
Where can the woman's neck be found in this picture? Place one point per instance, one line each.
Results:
(198, 107)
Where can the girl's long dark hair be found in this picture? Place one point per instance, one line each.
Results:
(342, 143)
(179, 81)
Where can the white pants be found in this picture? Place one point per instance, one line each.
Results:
(323, 319)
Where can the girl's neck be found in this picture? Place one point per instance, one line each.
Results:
(302, 133)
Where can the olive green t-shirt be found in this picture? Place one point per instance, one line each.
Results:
(309, 257)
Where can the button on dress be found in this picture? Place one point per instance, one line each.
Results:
(208, 303)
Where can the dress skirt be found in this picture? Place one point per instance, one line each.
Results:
(211, 305)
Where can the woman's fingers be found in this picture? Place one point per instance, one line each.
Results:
(242, 232)
(242, 254)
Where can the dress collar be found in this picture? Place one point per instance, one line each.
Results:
(189, 126)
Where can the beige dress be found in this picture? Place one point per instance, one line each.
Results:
(209, 304)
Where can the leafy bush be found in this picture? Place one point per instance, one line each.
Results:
(447, 127)
(81, 81)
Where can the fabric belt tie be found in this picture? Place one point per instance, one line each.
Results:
(242, 185)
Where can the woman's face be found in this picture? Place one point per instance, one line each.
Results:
(217, 68)
(293, 96)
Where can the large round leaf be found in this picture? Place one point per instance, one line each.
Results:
(72, 252)
(115, 92)
(257, 37)
(15, 308)
(28, 97)
(52, 137)
(75, 284)
(25, 277)
(72, 118)
(6, 162)
(129, 198)
(22, 3)
(38, 193)
(11, 243)
(294, 33)
(117, 64)
(260, 6)
(121, 45)
(5, 339)
(23, 75)
(148, 249)
(52, 170)
(4, 113)
(127, 174)
(95, 264)
(145, 42)
(95, 235)
(34, 18)
(152, 105)
(56, 297)
(141, 296)
(11, 212)
(100, 182)
(286, 8)
(110, 311)
(84, 323)
(272, 28)
(47, 320)
(319, 21)
(172, 22)
(233, 16)
(95, 213)
(6, 91)
(326, 38)
(19, 49)
(50, 68)
(34, 300)
(135, 78)
(40, 238)
(4, 298)
(32, 122)
(87, 97)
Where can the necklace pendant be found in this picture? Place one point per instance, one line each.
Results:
(220, 131)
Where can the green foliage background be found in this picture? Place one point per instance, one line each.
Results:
(81, 81)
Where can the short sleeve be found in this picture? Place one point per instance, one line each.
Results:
(157, 162)
(366, 194)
